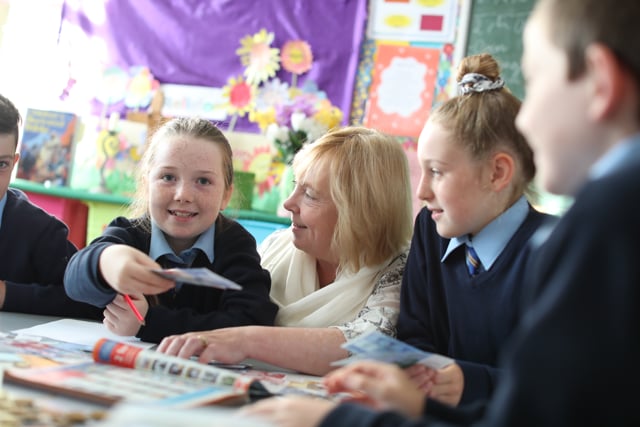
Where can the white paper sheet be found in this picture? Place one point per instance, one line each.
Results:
(81, 332)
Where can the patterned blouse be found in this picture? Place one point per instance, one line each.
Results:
(383, 306)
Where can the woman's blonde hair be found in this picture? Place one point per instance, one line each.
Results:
(485, 121)
(182, 127)
(370, 186)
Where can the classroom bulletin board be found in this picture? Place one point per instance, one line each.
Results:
(384, 63)
(196, 43)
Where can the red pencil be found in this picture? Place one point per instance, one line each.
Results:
(129, 301)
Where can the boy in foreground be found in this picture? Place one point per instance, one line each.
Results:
(574, 355)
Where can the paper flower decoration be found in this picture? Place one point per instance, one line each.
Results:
(112, 86)
(140, 88)
(263, 118)
(239, 95)
(296, 56)
(288, 115)
(260, 59)
(298, 116)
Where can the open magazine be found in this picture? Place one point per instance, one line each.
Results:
(121, 372)
(375, 345)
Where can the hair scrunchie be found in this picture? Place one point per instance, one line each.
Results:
(474, 82)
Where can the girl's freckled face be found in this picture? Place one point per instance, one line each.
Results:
(186, 189)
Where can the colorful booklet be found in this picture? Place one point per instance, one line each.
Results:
(378, 346)
(121, 372)
(46, 146)
(198, 276)
(37, 352)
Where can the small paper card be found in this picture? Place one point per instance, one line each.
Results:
(198, 276)
(378, 346)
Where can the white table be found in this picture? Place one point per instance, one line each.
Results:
(12, 321)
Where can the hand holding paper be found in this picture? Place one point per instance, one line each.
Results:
(198, 276)
(378, 346)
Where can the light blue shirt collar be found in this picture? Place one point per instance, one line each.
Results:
(160, 247)
(624, 152)
(3, 203)
(492, 239)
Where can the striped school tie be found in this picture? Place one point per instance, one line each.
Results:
(473, 262)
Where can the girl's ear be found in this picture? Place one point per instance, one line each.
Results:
(226, 197)
(502, 170)
(610, 82)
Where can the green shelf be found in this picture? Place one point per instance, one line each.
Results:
(70, 193)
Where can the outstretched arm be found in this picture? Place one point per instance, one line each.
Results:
(309, 350)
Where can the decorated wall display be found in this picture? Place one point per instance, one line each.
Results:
(283, 70)
(402, 89)
(179, 44)
(106, 157)
(288, 114)
(413, 20)
(450, 55)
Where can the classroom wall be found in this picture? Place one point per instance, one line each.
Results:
(493, 26)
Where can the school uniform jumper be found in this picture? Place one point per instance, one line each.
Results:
(573, 359)
(34, 250)
(191, 308)
(445, 310)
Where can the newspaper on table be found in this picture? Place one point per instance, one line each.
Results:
(377, 346)
(198, 276)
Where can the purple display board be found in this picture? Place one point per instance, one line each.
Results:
(194, 42)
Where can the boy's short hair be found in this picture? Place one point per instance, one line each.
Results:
(575, 24)
(9, 119)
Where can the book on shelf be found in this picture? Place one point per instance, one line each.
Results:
(46, 146)
(375, 345)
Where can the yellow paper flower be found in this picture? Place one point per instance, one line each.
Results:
(296, 56)
(294, 92)
(141, 88)
(263, 118)
(328, 115)
(239, 95)
(260, 59)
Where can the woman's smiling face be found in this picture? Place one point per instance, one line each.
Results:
(313, 215)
